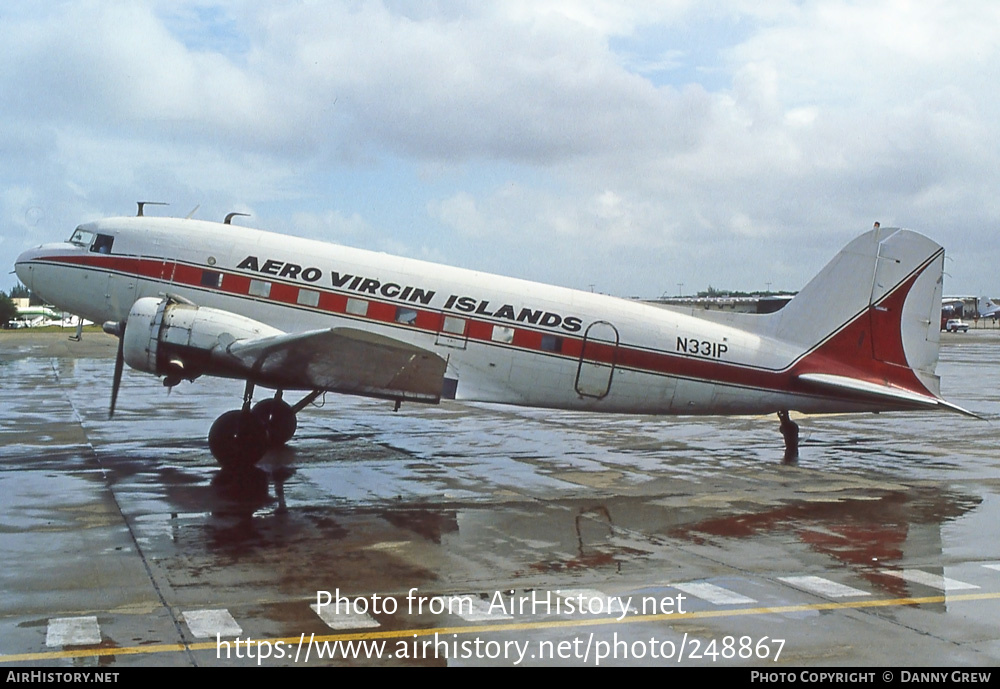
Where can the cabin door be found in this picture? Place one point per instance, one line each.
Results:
(597, 360)
(453, 332)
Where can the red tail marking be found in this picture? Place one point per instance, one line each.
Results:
(870, 347)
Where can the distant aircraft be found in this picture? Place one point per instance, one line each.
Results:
(189, 298)
(35, 317)
(44, 317)
(987, 309)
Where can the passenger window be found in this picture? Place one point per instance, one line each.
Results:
(502, 333)
(455, 326)
(551, 343)
(260, 288)
(102, 245)
(211, 278)
(405, 316)
(308, 297)
(357, 307)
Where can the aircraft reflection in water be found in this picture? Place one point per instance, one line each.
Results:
(189, 298)
(869, 536)
(868, 532)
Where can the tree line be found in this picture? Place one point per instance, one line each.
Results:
(8, 311)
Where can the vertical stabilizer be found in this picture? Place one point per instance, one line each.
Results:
(872, 314)
(986, 308)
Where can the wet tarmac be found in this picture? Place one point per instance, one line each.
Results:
(473, 535)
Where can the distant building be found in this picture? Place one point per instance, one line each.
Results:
(960, 307)
(750, 304)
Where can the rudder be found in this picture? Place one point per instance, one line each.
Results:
(872, 314)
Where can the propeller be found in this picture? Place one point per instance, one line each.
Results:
(116, 328)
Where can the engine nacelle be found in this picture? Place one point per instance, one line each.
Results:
(179, 340)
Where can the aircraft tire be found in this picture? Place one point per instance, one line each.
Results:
(237, 439)
(279, 420)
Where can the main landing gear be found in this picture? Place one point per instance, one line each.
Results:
(239, 438)
(790, 431)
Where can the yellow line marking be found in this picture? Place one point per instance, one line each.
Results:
(505, 627)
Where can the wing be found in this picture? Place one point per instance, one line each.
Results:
(343, 360)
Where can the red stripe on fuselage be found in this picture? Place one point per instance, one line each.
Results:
(837, 355)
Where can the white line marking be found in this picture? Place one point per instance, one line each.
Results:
(824, 587)
(206, 624)
(73, 631)
(996, 567)
(935, 581)
(344, 619)
(712, 593)
(388, 545)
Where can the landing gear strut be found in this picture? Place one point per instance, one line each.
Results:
(790, 431)
(239, 438)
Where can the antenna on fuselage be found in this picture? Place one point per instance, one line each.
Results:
(230, 216)
(148, 203)
(193, 211)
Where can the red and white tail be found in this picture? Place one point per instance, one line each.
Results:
(986, 308)
(869, 323)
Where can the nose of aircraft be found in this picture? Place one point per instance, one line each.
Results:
(22, 266)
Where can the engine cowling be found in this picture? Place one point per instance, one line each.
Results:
(180, 340)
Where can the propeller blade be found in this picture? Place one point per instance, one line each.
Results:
(119, 365)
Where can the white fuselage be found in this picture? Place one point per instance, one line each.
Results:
(505, 340)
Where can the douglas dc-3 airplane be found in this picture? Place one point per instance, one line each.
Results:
(189, 298)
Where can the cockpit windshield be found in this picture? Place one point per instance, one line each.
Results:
(81, 237)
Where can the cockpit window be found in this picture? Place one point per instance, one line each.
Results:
(102, 245)
(81, 237)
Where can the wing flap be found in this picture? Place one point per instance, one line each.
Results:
(882, 392)
(343, 360)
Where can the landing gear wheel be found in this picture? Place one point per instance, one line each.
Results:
(279, 420)
(237, 439)
(790, 431)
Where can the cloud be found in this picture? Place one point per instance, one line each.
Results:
(562, 135)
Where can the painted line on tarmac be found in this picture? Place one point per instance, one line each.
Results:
(505, 627)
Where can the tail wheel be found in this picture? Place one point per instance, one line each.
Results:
(278, 418)
(237, 439)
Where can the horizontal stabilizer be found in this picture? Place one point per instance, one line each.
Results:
(885, 393)
(344, 360)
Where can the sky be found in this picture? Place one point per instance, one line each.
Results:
(631, 148)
